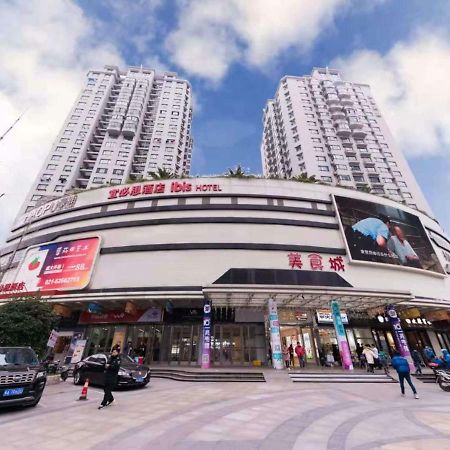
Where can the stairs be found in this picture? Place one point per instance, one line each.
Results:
(323, 377)
(207, 376)
(427, 378)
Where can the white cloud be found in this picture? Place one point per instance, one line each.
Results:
(46, 48)
(410, 85)
(213, 34)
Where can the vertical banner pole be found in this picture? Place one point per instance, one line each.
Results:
(399, 335)
(206, 347)
(275, 339)
(344, 349)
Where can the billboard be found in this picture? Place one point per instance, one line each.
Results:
(59, 266)
(384, 234)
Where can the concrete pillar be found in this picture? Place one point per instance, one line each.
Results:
(275, 339)
(341, 336)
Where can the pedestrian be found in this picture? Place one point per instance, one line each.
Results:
(376, 359)
(291, 355)
(359, 350)
(429, 353)
(300, 352)
(384, 362)
(446, 358)
(370, 359)
(286, 356)
(415, 355)
(111, 370)
(401, 365)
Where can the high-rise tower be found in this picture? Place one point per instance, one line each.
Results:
(124, 124)
(331, 128)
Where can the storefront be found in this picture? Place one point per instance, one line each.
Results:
(137, 264)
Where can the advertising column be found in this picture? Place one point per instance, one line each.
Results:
(341, 336)
(275, 340)
(399, 336)
(206, 347)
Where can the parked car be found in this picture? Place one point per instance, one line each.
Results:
(93, 368)
(22, 377)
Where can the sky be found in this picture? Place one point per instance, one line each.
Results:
(234, 53)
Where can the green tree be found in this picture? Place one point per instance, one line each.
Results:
(304, 178)
(27, 322)
(162, 174)
(238, 172)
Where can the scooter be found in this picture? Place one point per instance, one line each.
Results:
(443, 379)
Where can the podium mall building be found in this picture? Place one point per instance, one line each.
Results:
(185, 268)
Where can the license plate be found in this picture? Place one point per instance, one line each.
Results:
(10, 392)
(139, 379)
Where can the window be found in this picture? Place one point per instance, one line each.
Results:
(56, 157)
(67, 168)
(318, 149)
(46, 177)
(101, 170)
(397, 173)
(392, 191)
(123, 154)
(78, 110)
(105, 161)
(344, 178)
(121, 162)
(51, 166)
(107, 152)
(85, 126)
(35, 198)
(373, 179)
(118, 171)
(60, 149)
(75, 151)
(175, 113)
(110, 144)
(64, 140)
(116, 181)
(312, 131)
(392, 163)
(321, 158)
(59, 188)
(387, 180)
(98, 180)
(79, 142)
(326, 179)
(341, 166)
(407, 195)
(82, 134)
(42, 187)
(316, 140)
(71, 159)
(71, 125)
(153, 156)
(401, 183)
(324, 168)
(358, 178)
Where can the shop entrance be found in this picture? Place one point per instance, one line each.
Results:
(291, 334)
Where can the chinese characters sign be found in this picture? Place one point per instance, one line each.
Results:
(275, 339)
(341, 336)
(137, 190)
(206, 351)
(59, 266)
(316, 262)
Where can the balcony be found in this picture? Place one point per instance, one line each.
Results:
(360, 143)
(355, 123)
(343, 130)
(82, 182)
(347, 102)
(114, 128)
(129, 129)
(335, 107)
(338, 114)
(360, 133)
(343, 93)
(333, 99)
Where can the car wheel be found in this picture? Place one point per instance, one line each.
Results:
(77, 378)
(36, 402)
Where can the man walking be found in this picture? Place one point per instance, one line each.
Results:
(415, 355)
(300, 352)
(400, 364)
(368, 353)
(111, 371)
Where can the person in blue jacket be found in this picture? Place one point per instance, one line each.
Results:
(446, 357)
(400, 364)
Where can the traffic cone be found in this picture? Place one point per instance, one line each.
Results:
(83, 395)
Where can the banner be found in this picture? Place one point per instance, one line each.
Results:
(383, 234)
(275, 339)
(399, 336)
(52, 339)
(116, 316)
(344, 349)
(77, 355)
(59, 266)
(325, 316)
(206, 348)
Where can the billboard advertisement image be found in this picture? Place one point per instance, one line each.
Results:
(385, 234)
(59, 266)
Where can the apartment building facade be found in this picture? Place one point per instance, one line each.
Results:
(123, 125)
(325, 126)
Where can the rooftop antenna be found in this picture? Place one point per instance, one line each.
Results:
(12, 126)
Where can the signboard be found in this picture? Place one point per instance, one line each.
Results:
(383, 234)
(341, 336)
(59, 266)
(275, 339)
(206, 348)
(52, 339)
(95, 308)
(118, 316)
(326, 316)
(77, 355)
(399, 336)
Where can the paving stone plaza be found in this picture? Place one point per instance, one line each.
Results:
(275, 415)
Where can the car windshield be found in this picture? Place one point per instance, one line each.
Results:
(126, 358)
(17, 356)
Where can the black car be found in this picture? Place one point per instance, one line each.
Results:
(22, 377)
(93, 368)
